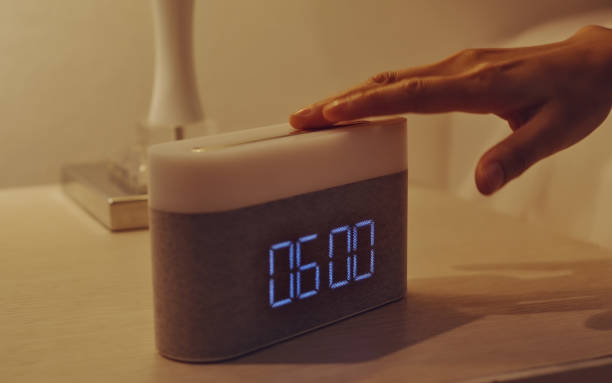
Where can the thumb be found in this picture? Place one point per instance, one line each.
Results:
(538, 138)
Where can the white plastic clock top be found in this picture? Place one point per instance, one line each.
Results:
(249, 167)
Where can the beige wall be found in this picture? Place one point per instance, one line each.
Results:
(75, 75)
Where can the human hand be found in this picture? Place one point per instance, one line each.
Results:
(552, 96)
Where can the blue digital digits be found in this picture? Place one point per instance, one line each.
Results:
(301, 268)
(339, 230)
(370, 223)
(272, 251)
(296, 268)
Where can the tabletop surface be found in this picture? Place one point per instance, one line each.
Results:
(487, 295)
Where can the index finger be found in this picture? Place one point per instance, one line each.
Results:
(487, 90)
(313, 117)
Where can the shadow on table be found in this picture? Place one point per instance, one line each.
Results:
(367, 336)
(437, 305)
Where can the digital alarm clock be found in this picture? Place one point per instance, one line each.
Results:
(264, 234)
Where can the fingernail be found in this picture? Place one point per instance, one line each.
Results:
(332, 105)
(304, 112)
(330, 110)
(494, 176)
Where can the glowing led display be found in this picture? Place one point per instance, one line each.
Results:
(341, 258)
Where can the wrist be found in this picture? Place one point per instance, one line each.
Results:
(601, 40)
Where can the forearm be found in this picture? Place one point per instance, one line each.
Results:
(597, 41)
